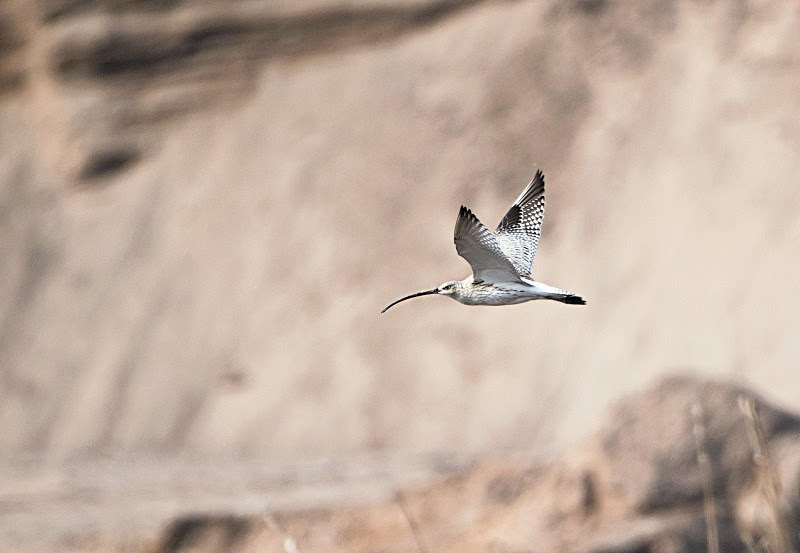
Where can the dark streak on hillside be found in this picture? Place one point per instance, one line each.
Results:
(155, 52)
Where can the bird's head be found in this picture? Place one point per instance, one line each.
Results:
(445, 289)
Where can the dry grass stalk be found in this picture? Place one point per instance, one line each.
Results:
(289, 543)
(767, 480)
(703, 460)
(412, 523)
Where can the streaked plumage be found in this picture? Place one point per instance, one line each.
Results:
(501, 261)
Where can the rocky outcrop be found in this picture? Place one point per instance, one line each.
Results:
(650, 448)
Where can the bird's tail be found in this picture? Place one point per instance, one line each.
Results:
(571, 299)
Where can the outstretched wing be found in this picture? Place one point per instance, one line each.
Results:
(477, 244)
(518, 233)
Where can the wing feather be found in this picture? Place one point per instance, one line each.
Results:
(479, 246)
(519, 231)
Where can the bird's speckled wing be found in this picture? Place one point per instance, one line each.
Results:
(518, 233)
(477, 244)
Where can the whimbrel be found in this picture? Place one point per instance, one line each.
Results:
(501, 260)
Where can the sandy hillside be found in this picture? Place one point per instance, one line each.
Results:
(205, 205)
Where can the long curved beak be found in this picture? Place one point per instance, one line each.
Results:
(425, 293)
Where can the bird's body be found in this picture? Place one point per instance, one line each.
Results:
(501, 261)
(470, 292)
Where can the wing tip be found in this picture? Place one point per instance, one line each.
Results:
(465, 218)
(534, 189)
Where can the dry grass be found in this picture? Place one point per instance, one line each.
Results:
(289, 543)
(775, 535)
(709, 505)
(412, 522)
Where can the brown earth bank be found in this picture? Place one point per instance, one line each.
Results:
(635, 486)
(204, 205)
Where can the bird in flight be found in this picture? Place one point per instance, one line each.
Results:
(501, 260)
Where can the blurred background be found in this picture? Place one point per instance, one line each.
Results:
(204, 205)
